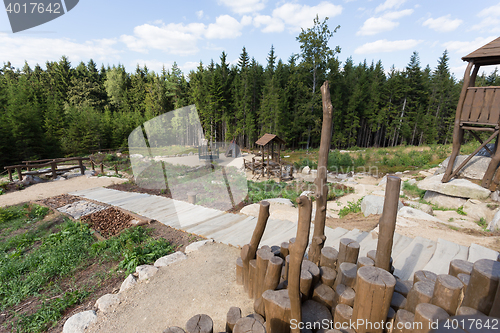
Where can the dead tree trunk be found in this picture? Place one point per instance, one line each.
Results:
(297, 251)
(321, 194)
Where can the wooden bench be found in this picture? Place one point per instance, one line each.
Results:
(48, 162)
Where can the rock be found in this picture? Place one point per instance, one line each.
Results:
(455, 187)
(190, 153)
(196, 246)
(408, 212)
(146, 271)
(420, 206)
(383, 181)
(27, 180)
(494, 224)
(477, 210)
(105, 302)
(128, 283)
(79, 322)
(306, 170)
(169, 259)
(37, 180)
(373, 204)
(442, 200)
(425, 173)
(252, 210)
(474, 169)
(282, 201)
(382, 193)
(412, 181)
(495, 196)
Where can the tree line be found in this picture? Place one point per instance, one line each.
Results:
(63, 110)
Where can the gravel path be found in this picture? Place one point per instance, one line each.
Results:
(202, 284)
(53, 188)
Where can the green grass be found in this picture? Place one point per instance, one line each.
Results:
(352, 207)
(412, 190)
(36, 257)
(482, 223)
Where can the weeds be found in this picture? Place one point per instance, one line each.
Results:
(482, 223)
(352, 207)
(413, 190)
(460, 210)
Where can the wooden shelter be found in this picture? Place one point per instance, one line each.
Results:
(478, 109)
(268, 160)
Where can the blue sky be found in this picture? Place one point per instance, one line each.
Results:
(159, 32)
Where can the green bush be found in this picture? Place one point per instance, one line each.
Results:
(352, 207)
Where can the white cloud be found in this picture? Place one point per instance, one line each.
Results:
(442, 24)
(244, 6)
(465, 48)
(199, 14)
(297, 16)
(172, 38)
(18, 48)
(271, 24)
(490, 20)
(225, 26)
(389, 4)
(383, 45)
(375, 25)
(246, 20)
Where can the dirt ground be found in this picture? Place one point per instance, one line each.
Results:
(202, 284)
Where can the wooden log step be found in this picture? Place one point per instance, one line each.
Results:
(348, 251)
(329, 257)
(423, 275)
(426, 315)
(403, 322)
(233, 315)
(421, 292)
(201, 323)
(483, 285)
(346, 275)
(324, 294)
(248, 325)
(328, 275)
(458, 266)
(278, 310)
(447, 293)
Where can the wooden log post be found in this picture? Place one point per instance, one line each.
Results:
(424, 276)
(421, 292)
(284, 250)
(252, 276)
(248, 251)
(248, 325)
(374, 285)
(306, 282)
(466, 311)
(53, 167)
(403, 322)
(233, 315)
(398, 301)
(253, 166)
(9, 170)
(426, 315)
(324, 295)
(342, 315)
(278, 310)
(191, 197)
(263, 257)
(92, 165)
(239, 271)
(297, 251)
(495, 308)
(329, 257)
(447, 293)
(19, 174)
(102, 168)
(483, 285)
(116, 170)
(348, 251)
(343, 295)
(365, 261)
(201, 323)
(465, 279)
(347, 275)
(271, 281)
(403, 287)
(82, 168)
(387, 223)
(321, 195)
(458, 266)
(328, 275)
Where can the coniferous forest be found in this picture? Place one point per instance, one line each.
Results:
(66, 110)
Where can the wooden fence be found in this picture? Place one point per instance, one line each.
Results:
(30, 165)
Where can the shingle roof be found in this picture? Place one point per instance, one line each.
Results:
(488, 54)
(266, 138)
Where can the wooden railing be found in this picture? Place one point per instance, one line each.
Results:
(30, 165)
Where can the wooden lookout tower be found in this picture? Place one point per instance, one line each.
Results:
(478, 109)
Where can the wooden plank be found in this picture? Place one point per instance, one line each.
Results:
(414, 258)
(333, 236)
(445, 252)
(399, 243)
(467, 108)
(215, 224)
(284, 236)
(245, 225)
(275, 227)
(477, 252)
(368, 243)
(489, 94)
(495, 107)
(477, 105)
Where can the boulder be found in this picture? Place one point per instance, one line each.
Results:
(196, 246)
(456, 187)
(169, 259)
(383, 181)
(477, 210)
(474, 169)
(283, 201)
(412, 181)
(495, 222)
(252, 210)
(79, 322)
(128, 283)
(373, 204)
(306, 170)
(105, 302)
(307, 193)
(420, 206)
(146, 271)
(495, 196)
(442, 200)
(409, 212)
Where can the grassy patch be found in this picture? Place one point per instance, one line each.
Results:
(412, 190)
(352, 207)
(38, 259)
(482, 223)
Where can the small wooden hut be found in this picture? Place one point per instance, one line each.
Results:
(478, 109)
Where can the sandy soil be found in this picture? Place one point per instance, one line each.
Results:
(202, 284)
(53, 188)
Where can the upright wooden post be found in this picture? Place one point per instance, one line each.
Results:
(248, 251)
(387, 223)
(80, 164)
(271, 281)
(321, 194)
(297, 251)
(92, 165)
(116, 170)
(102, 169)
(19, 173)
(483, 284)
(10, 174)
(53, 166)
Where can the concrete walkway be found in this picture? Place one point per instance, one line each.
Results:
(409, 255)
